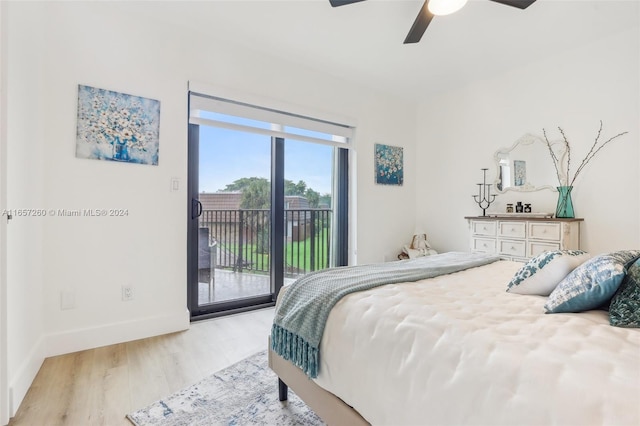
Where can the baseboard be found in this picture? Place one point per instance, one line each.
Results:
(110, 334)
(87, 338)
(19, 384)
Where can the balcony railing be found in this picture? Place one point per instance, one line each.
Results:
(240, 240)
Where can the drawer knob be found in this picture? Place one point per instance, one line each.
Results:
(513, 248)
(513, 230)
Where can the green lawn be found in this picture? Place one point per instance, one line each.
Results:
(297, 254)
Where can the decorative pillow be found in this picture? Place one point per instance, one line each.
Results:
(591, 284)
(542, 273)
(624, 310)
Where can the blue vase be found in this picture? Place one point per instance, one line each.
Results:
(564, 209)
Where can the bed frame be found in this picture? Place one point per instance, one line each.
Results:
(329, 407)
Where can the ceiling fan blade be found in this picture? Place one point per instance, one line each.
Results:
(336, 3)
(520, 4)
(419, 25)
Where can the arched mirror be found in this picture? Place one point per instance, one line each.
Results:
(527, 165)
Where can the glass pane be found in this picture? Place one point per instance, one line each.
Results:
(234, 190)
(308, 207)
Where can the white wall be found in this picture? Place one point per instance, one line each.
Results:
(599, 81)
(91, 258)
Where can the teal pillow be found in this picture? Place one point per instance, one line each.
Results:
(624, 310)
(542, 273)
(591, 284)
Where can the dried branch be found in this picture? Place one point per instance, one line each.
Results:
(592, 153)
(566, 143)
(554, 157)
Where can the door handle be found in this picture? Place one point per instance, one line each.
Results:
(196, 208)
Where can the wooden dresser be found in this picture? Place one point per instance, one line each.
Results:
(522, 237)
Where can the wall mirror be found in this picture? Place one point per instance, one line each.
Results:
(527, 165)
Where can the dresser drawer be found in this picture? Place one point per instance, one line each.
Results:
(485, 245)
(521, 238)
(512, 229)
(536, 247)
(483, 228)
(544, 231)
(512, 248)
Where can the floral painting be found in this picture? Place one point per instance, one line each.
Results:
(519, 172)
(389, 166)
(117, 127)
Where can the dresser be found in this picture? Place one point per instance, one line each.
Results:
(520, 238)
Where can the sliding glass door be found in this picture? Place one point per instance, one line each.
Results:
(263, 211)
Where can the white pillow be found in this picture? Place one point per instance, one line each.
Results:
(542, 273)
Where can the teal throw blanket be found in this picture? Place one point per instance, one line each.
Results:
(302, 313)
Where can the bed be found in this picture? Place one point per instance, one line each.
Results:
(457, 349)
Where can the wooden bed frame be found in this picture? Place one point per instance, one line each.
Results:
(329, 407)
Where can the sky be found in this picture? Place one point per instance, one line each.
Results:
(228, 155)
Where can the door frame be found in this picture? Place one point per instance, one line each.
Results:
(341, 240)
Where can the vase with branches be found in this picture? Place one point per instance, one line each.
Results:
(564, 208)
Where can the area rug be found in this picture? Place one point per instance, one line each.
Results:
(244, 394)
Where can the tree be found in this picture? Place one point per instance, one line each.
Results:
(241, 184)
(313, 197)
(325, 200)
(256, 195)
(256, 192)
(291, 188)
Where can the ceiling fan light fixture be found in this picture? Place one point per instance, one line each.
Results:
(445, 7)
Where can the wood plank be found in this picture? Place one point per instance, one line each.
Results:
(100, 386)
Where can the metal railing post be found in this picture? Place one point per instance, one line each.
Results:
(312, 240)
(238, 267)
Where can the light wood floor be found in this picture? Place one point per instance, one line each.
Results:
(100, 386)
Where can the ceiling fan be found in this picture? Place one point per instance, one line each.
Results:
(432, 8)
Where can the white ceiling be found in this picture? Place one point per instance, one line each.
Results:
(363, 41)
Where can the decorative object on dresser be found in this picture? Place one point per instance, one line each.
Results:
(522, 236)
(564, 208)
(484, 197)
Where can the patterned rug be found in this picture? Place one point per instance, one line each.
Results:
(244, 394)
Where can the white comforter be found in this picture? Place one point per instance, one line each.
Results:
(459, 350)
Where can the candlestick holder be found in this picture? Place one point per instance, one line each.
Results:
(484, 197)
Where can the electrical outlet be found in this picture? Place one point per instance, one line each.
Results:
(127, 292)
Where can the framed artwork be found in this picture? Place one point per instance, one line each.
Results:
(115, 126)
(389, 168)
(519, 172)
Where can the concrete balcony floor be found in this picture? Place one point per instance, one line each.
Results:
(229, 285)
